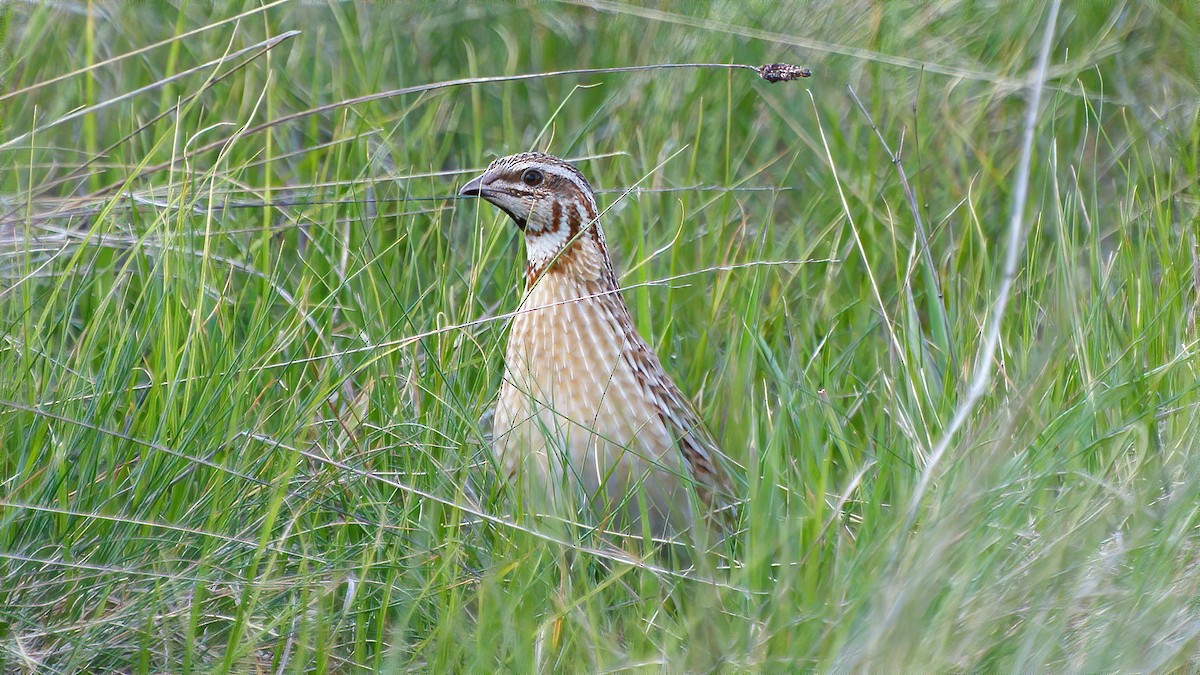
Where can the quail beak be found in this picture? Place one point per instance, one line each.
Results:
(473, 188)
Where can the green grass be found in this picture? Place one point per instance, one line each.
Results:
(241, 388)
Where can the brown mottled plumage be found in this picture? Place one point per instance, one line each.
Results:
(586, 410)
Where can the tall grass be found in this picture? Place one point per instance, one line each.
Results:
(244, 384)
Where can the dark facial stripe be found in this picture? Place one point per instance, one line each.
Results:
(555, 215)
(573, 222)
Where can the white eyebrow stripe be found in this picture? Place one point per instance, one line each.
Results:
(580, 183)
(569, 174)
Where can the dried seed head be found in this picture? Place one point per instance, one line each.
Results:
(782, 72)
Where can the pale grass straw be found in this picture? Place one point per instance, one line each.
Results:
(1014, 246)
(762, 71)
(264, 45)
(1067, 72)
(390, 346)
(611, 555)
(910, 196)
(140, 50)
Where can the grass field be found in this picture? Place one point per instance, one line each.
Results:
(246, 347)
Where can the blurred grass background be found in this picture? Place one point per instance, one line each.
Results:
(242, 371)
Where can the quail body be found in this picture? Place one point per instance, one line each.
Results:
(586, 415)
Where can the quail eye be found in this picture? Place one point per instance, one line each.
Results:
(531, 177)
